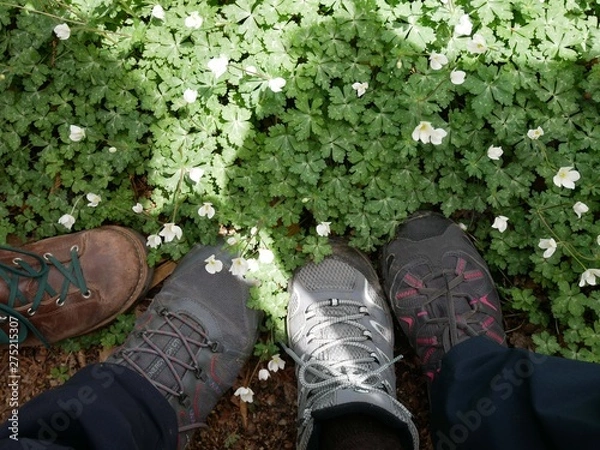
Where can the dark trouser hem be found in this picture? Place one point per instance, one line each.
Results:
(103, 406)
(491, 397)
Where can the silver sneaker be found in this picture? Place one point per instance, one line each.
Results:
(341, 337)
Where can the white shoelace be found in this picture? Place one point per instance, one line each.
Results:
(323, 376)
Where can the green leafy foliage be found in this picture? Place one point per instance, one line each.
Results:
(60, 374)
(278, 160)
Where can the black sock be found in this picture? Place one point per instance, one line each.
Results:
(359, 432)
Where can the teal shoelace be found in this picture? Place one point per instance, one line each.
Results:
(12, 275)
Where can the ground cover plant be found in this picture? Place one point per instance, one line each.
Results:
(273, 124)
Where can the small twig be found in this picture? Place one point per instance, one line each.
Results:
(24, 8)
(516, 328)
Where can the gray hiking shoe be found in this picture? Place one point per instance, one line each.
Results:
(440, 288)
(194, 338)
(341, 337)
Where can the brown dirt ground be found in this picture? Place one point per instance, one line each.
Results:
(266, 424)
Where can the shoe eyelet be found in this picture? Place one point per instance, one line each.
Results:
(182, 397)
(16, 261)
(199, 373)
(215, 347)
(86, 294)
(30, 312)
(163, 312)
(47, 256)
(3, 319)
(75, 248)
(60, 301)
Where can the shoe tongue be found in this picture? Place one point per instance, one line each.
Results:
(339, 331)
(28, 286)
(429, 277)
(46, 273)
(173, 347)
(347, 401)
(350, 396)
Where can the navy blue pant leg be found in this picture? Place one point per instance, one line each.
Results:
(103, 406)
(493, 398)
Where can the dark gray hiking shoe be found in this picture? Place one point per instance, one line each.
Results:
(194, 338)
(341, 338)
(440, 288)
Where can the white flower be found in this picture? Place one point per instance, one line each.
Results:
(194, 20)
(93, 199)
(462, 226)
(153, 241)
(232, 241)
(251, 70)
(265, 256)
(276, 84)
(580, 208)
(457, 77)
(494, 152)
(263, 374)
(253, 231)
(566, 177)
(426, 133)
(158, 12)
(190, 95)
(195, 174)
(67, 221)
(437, 135)
(206, 210)
(112, 149)
(477, 44)
(589, 277)
(76, 133)
(252, 264)
(360, 88)
(535, 133)
(422, 132)
(549, 245)
(598, 240)
(464, 26)
(276, 363)
(323, 229)
(218, 66)
(170, 231)
(62, 31)
(246, 394)
(500, 223)
(137, 208)
(239, 266)
(213, 265)
(437, 60)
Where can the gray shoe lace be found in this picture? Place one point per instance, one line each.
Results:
(352, 373)
(73, 275)
(452, 325)
(190, 364)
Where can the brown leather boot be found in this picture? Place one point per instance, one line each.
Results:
(69, 285)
